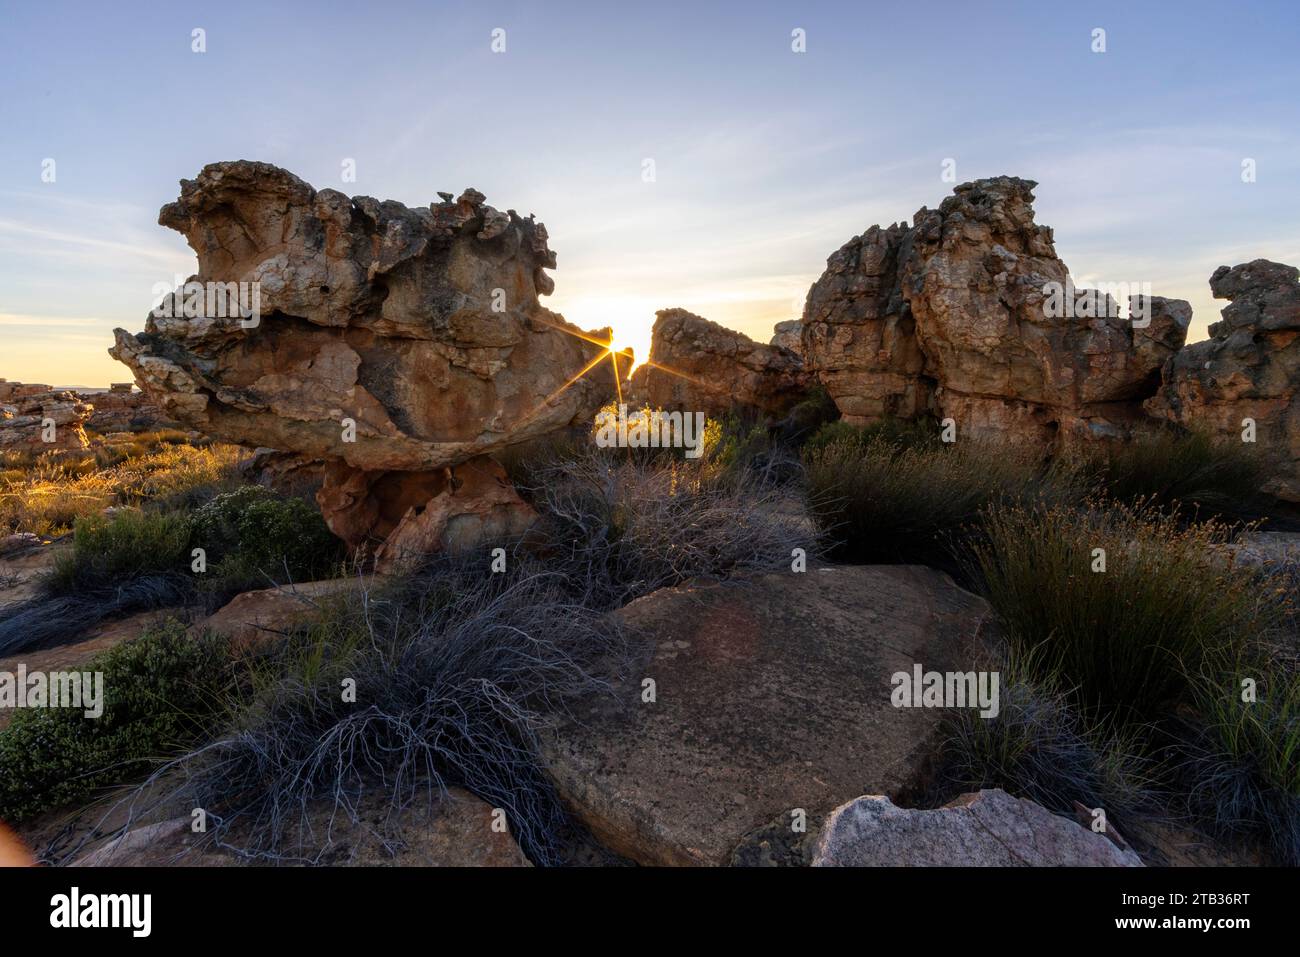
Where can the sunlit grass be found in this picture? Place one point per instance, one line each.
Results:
(46, 495)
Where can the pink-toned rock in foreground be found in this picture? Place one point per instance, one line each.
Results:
(388, 340)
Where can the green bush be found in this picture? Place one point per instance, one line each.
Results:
(131, 544)
(265, 530)
(808, 417)
(161, 692)
(901, 434)
(251, 536)
(1130, 636)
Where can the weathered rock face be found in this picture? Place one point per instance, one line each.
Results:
(383, 339)
(699, 366)
(1249, 368)
(858, 333)
(30, 413)
(416, 513)
(731, 742)
(788, 335)
(954, 316)
(123, 409)
(983, 829)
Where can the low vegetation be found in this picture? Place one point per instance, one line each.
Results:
(1189, 470)
(46, 494)
(455, 673)
(884, 498)
(1042, 746)
(1121, 598)
(161, 692)
(138, 559)
(1241, 770)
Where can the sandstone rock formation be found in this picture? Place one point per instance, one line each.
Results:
(1249, 368)
(123, 409)
(30, 414)
(699, 366)
(732, 740)
(283, 471)
(984, 829)
(400, 345)
(953, 316)
(788, 335)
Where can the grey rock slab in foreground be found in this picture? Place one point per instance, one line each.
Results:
(983, 829)
(770, 696)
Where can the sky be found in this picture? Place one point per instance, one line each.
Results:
(765, 159)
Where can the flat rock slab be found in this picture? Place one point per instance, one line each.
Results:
(983, 829)
(257, 616)
(457, 832)
(1276, 551)
(770, 696)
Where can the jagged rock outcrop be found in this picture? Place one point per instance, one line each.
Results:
(381, 339)
(1249, 369)
(954, 316)
(858, 334)
(699, 366)
(788, 335)
(36, 418)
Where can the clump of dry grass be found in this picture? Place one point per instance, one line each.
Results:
(47, 494)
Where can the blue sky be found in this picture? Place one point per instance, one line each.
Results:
(766, 160)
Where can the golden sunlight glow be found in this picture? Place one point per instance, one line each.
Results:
(630, 317)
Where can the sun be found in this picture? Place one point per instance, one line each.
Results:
(631, 318)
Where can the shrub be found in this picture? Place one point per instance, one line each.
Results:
(1129, 636)
(131, 544)
(1039, 746)
(161, 691)
(1192, 468)
(885, 501)
(625, 528)
(455, 671)
(141, 559)
(808, 416)
(256, 529)
(922, 433)
(1242, 758)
